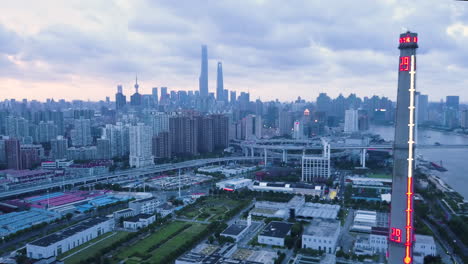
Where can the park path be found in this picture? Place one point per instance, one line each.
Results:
(192, 221)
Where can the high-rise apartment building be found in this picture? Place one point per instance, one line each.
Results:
(205, 134)
(162, 145)
(103, 148)
(252, 125)
(17, 127)
(184, 135)
(159, 122)
(140, 146)
(351, 121)
(30, 156)
(285, 122)
(363, 120)
(47, 131)
(3, 157)
(13, 154)
(58, 148)
(118, 136)
(220, 131)
(81, 133)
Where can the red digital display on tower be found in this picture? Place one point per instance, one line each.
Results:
(404, 63)
(395, 235)
(409, 39)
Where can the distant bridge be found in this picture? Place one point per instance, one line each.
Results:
(263, 146)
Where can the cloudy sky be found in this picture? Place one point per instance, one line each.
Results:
(81, 49)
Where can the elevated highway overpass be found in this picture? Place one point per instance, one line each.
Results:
(140, 172)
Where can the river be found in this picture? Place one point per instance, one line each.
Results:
(454, 160)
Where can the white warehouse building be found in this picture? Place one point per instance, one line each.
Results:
(234, 184)
(275, 233)
(314, 167)
(144, 206)
(139, 221)
(69, 238)
(321, 235)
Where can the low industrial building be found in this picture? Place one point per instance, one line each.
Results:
(226, 254)
(124, 213)
(13, 222)
(370, 189)
(423, 246)
(69, 238)
(321, 235)
(28, 176)
(363, 246)
(236, 231)
(166, 182)
(234, 184)
(228, 171)
(275, 233)
(296, 208)
(307, 259)
(139, 221)
(318, 210)
(165, 209)
(377, 242)
(296, 188)
(144, 206)
(365, 220)
(378, 239)
(57, 164)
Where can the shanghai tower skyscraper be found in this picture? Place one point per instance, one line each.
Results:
(219, 83)
(203, 80)
(401, 217)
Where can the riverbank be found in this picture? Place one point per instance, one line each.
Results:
(454, 160)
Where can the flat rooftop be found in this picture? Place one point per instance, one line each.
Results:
(61, 235)
(276, 229)
(423, 239)
(234, 229)
(322, 228)
(144, 200)
(329, 211)
(128, 210)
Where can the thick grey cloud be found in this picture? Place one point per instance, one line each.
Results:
(9, 41)
(299, 48)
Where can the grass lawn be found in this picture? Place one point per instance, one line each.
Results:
(192, 213)
(143, 245)
(110, 238)
(212, 207)
(176, 242)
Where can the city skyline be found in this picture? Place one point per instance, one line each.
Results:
(310, 48)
